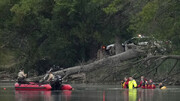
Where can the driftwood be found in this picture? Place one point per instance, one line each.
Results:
(111, 61)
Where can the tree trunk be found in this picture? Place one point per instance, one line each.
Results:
(111, 61)
(118, 46)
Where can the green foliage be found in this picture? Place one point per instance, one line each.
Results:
(114, 7)
(160, 19)
(66, 32)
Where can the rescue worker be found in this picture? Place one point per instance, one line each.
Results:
(143, 82)
(132, 83)
(125, 82)
(50, 77)
(22, 76)
(161, 86)
(151, 84)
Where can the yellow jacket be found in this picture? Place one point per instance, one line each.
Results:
(132, 84)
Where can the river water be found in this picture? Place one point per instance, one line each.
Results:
(89, 92)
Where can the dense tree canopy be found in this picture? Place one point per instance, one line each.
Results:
(39, 33)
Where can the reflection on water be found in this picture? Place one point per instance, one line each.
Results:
(144, 93)
(92, 93)
(132, 94)
(43, 95)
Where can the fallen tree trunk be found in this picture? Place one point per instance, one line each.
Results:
(111, 61)
(141, 69)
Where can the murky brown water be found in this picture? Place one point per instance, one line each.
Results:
(84, 92)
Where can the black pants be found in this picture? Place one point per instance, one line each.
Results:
(22, 81)
(56, 85)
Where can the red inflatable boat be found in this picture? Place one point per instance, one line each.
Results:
(36, 86)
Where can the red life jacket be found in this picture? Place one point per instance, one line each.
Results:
(151, 86)
(142, 83)
(126, 84)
